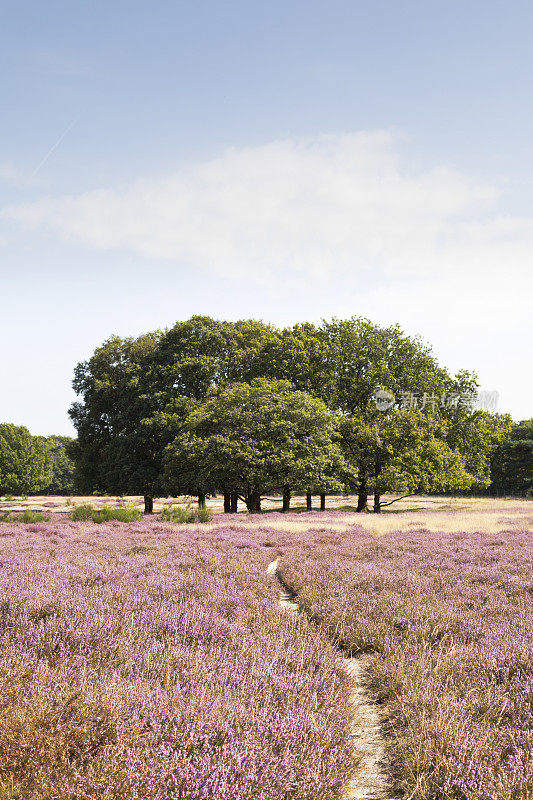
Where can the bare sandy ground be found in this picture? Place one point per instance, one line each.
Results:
(434, 513)
(370, 780)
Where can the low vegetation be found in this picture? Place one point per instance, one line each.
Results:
(126, 513)
(137, 663)
(26, 516)
(175, 513)
(150, 661)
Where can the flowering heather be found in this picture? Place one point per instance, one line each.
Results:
(150, 660)
(139, 661)
(449, 619)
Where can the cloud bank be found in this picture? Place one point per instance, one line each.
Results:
(327, 207)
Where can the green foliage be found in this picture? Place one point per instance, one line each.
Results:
(512, 462)
(61, 464)
(29, 515)
(82, 513)
(113, 452)
(475, 434)
(203, 514)
(255, 438)
(128, 513)
(403, 451)
(86, 512)
(156, 412)
(181, 515)
(362, 356)
(24, 462)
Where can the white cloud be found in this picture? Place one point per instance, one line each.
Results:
(348, 222)
(324, 207)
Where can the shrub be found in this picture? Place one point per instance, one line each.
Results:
(86, 512)
(177, 514)
(32, 516)
(203, 514)
(82, 513)
(129, 513)
(180, 514)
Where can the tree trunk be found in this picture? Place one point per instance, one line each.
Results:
(227, 502)
(148, 504)
(253, 502)
(201, 499)
(234, 501)
(322, 501)
(362, 499)
(309, 501)
(286, 499)
(377, 502)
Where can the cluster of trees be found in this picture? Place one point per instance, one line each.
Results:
(512, 462)
(247, 409)
(31, 464)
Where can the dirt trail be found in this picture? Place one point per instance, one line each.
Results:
(370, 781)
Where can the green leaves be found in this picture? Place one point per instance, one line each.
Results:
(210, 405)
(403, 451)
(25, 467)
(512, 461)
(256, 438)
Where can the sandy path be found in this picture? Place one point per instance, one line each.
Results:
(370, 781)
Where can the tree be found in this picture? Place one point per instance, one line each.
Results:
(512, 462)
(136, 395)
(361, 358)
(253, 438)
(135, 391)
(61, 465)
(301, 355)
(403, 451)
(24, 463)
(115, 452)
(474, 433)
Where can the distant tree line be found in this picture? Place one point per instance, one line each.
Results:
(512, 462)
(34, 464)
(247, 409)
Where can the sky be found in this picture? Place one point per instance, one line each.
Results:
(284, 161)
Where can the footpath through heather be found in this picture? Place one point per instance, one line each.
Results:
(370, 781)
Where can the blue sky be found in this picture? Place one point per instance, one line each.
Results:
(286, 161)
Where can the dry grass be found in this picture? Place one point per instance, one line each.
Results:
(433, 513)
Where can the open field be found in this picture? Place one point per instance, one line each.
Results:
(151, 660)
(434, 512)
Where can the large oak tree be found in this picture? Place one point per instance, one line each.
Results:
(254, 439)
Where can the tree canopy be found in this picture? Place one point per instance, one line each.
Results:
(143, 398)
(25, 466)
(512, 461)
(61, 464)
(254, 438)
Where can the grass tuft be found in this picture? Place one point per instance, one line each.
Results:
(185, 515)
(86, 513)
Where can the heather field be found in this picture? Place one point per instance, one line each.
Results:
(151, 660)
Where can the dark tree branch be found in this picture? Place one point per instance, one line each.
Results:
(411, 494)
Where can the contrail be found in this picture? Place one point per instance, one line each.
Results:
(49, 153)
